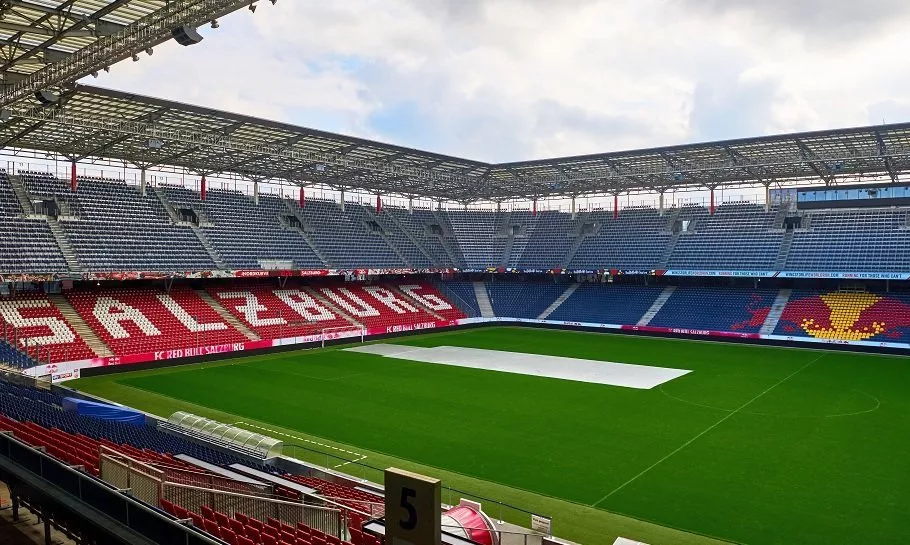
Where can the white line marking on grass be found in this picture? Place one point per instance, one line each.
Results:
(362, 458)
(276, 432)
(711, 427)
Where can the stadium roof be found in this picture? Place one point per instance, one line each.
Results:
(49, 44)
(148, 132)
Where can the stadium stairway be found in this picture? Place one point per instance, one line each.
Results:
(777, 309)
(21, 194)
(66, 249)
(558, 302)
(784, 250)
(207, 244)
(657, 305)
(80, 326)
(483, 300)
(304, 233)
(227, 316)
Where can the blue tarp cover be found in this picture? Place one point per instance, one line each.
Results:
(103, 411)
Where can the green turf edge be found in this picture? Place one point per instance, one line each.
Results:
(573, 521)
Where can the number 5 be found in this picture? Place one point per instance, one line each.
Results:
(411, 522)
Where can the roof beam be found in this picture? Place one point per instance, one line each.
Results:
(810, 159)
(148, 31)
(883, 151)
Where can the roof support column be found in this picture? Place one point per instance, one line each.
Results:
(302, 199)
(616, 206)
(711, 209)
(378, 203)
(660, 200)
(202, 188)
(143, 184)
(498, 206)
(574, 214)
(534, 208)
(342, 200)
(767, 197)
(410, 205)
(73, 175)
(256, 192)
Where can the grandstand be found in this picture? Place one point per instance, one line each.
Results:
(117, 273)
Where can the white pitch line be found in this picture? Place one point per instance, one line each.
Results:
(718, 423)
(362, 457)
(352, 453)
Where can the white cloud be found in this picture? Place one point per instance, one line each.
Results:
(502, 80)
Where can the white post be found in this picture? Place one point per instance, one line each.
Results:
(661, 199)
(767, 197)
(342, 200)
(142, 182)
(411, 205)
(574, 214)
(256, 192)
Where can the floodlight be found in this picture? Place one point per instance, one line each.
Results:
(46, 97)
(186, 35)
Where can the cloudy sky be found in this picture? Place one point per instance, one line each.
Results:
(504, 80)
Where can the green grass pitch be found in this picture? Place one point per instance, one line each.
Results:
(758, 445)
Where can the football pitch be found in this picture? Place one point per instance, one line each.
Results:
(755, 445)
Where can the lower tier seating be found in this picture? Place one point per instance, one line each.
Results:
(35, 325)
(135, 321)
(855, 315)
(718, 309)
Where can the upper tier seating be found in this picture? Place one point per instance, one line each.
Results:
(116, 229)
(27, 244)
(242, 233)
(522, 299)
(607, 304)
(852, 240)
(418, 224)
(34, 324)
(634, 240)
(120, 230)
(846, 315)
(738, 236)
(344, 236)
(717, 309)
(140, 320)
(545, 243)
(481, 235)
(397, 236)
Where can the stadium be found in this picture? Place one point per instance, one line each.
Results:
(219, 328)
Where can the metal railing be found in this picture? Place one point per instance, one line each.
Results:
(130, 512)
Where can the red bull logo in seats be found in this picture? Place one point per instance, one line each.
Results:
(848, 316)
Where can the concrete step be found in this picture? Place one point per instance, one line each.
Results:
(80, 326)
(657, 305)
(483, 300)
(558, 302)
(227, 316)
(777, 309)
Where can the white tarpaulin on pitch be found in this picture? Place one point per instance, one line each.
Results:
(643, 377)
